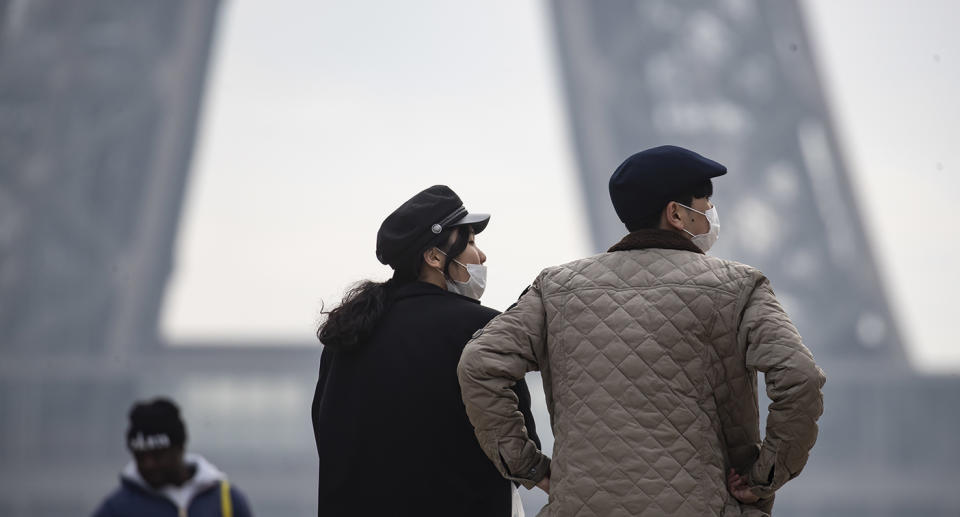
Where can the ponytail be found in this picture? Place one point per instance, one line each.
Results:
(357, 316)
(355, 319)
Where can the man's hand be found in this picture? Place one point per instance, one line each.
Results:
(544, 484)
(739, 488)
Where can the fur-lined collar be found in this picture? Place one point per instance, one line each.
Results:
(655, 238)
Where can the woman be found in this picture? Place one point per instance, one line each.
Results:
(392, 434)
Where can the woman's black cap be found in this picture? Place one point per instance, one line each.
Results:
(645, 181)
(411, 228)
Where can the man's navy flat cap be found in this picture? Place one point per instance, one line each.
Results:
(418, 222)
(644, 183)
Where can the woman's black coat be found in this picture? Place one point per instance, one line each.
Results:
(392, 433)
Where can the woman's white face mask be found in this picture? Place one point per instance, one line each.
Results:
(474, 286)
(705, 241)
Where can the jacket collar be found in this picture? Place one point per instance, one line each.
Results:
(206, 477)
(655, 238)
(418, 288)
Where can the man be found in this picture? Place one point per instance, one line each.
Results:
(649, 354)
(163, 481)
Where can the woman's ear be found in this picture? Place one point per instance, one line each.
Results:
(433, 258)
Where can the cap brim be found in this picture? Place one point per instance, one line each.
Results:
(477, 221)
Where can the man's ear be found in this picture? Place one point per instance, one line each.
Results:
(671, 215)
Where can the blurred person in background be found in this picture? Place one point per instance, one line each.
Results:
(649, 355)
(163, 480)
(391, 431)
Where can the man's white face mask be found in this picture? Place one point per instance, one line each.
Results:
(705, 241)
(474, 286)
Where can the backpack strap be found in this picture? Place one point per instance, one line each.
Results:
(226, 504)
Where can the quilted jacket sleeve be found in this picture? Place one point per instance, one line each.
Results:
(793, 381)
(497, 357)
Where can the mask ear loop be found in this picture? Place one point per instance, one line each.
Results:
(455, 261)
(709, 224)
(677, 213)
(443, 270)
(684, 222)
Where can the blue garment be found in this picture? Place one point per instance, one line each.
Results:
(134, 499)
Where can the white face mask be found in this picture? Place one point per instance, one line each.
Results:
(705, 241)
(474, 286)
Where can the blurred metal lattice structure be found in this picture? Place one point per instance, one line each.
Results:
(736, 81)
(98, 108)
(99, 102)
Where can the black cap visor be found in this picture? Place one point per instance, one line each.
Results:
(477, 221)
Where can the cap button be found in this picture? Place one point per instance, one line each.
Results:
(436, 228)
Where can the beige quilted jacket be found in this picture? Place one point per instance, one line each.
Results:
(649, 357)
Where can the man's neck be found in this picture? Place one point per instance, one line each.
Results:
(655, 238)
(185, 473)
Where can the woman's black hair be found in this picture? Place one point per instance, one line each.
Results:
(355, 319)
(686, 197)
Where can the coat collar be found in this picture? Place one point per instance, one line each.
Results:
(655, 238)
(418, 288)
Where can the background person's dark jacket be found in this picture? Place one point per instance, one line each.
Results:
(392, 434)
(134, 499)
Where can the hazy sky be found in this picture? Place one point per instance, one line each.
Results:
(322, 117)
